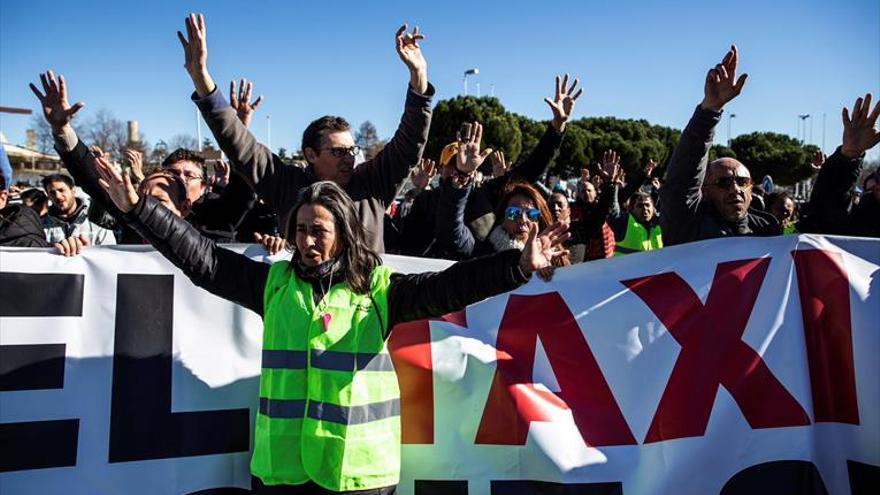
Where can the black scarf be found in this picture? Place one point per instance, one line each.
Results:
(320, 276)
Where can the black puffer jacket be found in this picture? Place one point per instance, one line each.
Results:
(830, 209)
(20, 226)
(241, 280)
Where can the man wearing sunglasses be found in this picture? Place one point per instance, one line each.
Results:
(328, 145)
(703, 200)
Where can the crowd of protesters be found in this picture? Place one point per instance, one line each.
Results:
(448, 209)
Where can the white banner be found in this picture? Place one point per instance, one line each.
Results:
(728, 366)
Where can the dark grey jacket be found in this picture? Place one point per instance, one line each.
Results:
(373, 184)
(684, 216)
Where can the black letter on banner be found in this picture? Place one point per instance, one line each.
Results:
(37, 444)
(41, 294)
(863, 478)
(532, 487)
(800, 477)
(31, 367)
(438, 487)
(142, 425)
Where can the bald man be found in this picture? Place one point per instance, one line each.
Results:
(703, 200)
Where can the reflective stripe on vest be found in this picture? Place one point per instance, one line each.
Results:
(353, 415)
(638, 239)
(328, 360)
(329, 401)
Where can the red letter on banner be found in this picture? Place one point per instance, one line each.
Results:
(410, 348)
(713, 353)
(824, 292)
(514, 402)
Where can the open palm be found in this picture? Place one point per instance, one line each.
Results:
(56, 109)
(540, 249)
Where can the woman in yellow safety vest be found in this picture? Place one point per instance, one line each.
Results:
(329, 409)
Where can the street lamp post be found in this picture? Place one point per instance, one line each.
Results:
(199, 129)
(811, 129)
(803, 123)
(469, 72)
(730, 118)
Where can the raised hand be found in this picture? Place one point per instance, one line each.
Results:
(422, 175)
(118, 185)
(240, 101)
(818, 160)
(56, 109)
(410, 53)
(650, 167)
(540, 250)
(71, 246)
(859, 131)
(500, 166)
(563, 102)
(272, 243)
(469, 157)
(610, 167)
(195, 50)
(722, 85)
(97, 151)
(620, 177)
(136, 159)
(221, 174)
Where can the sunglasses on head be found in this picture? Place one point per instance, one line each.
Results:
(514, 213)
(726, 182)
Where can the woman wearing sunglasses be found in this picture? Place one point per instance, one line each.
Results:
(521, 207)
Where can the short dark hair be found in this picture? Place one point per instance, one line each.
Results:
(35, 195)
(174, 180)
(185, 155)
(58, 178)
(640, 195)
(777, 196)
(314, 133)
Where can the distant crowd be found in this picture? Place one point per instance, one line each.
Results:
(448, 206)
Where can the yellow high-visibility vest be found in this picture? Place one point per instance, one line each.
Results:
(638, 238)
(329, 400)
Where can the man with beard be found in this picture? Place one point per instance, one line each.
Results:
(68, 215)
(702, 200)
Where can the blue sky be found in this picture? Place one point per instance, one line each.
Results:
(642, 59)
